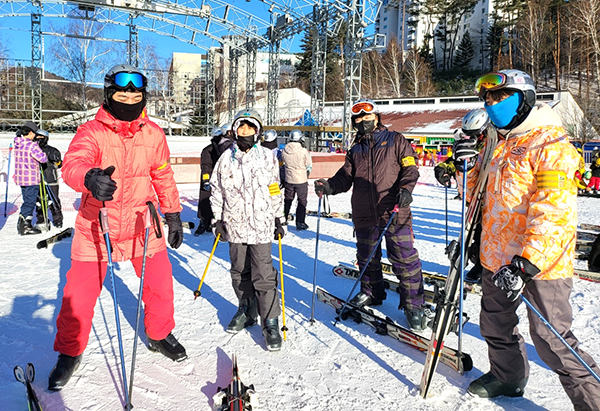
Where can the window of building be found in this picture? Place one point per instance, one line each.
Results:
(385, 19)
(385, 27)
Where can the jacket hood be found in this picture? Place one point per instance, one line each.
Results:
(541, 115)
(122, 128)
(20, 141)
(292, 147)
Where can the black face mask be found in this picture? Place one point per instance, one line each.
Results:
(125, 112)
(269, 144)
(245, 143)
(365, 126)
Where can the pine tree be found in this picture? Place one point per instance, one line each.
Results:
(465, 52)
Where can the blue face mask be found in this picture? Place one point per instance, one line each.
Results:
(502, 113)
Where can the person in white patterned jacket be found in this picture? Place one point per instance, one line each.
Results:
(248, 208)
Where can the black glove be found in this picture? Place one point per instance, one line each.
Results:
(279, 231)
(322, 187)
(465, 149)
(219, 228)
(442, 175)
(404, 198)
(100, 184)
(513, 277)
(175, 229)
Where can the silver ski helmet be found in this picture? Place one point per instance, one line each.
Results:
(475, 122)
(270, 135)
(251, 116)
(297, 136)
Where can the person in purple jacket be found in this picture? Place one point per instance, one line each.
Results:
(28, 157)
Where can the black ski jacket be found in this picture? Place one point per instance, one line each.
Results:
(378, 166)
(51, 167)
(209, 156)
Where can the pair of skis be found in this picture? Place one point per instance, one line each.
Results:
(27, 377)
(236, 396)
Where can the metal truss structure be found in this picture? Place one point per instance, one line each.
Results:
(216, 26)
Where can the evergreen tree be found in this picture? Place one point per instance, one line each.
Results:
(465, 52)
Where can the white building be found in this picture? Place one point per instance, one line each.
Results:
(394, 19)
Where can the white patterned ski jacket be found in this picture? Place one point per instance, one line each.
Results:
(245, 194)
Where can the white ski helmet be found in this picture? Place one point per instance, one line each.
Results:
(475, 122)
(270, 135)
(296, 136)
(250, 115)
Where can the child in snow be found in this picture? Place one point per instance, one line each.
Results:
(248, 208)
(28, 158)
(50, 170)
(298, 165)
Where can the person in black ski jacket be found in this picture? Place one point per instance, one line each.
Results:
(209, 156)
(50, 170)
(381, 167)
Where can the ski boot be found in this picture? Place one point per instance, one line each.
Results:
(24, 226)
(271, 334)
(169, 347)
(416, 319)
(245, 316)
(63, 371)
(361, 299)
(301, 226)
(487, 386)
(474, 274)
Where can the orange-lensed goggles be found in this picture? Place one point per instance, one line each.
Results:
(362, 107)
(490, 82)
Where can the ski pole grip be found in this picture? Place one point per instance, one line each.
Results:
(148, 218)
(104, 220)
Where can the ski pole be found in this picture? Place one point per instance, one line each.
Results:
(284, 328)
(105, 230)
(394, 211)
(150, 212)
(446, 190)
(10, 148)
(44, 199)
(462, 258)
(562, 340)
(197, 292)
(312, 305)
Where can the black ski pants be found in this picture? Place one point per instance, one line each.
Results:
(291, 190)
(506, 348)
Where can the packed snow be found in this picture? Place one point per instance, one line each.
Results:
(320, 366)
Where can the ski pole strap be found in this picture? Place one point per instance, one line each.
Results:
(153, 216)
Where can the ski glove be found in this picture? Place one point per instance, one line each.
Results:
(175, 229)
(442, 175)
(322, 187)
(279, 231)
(513, 277)
(465, 149)
(219, 228)
(404, 198)
(100, 184)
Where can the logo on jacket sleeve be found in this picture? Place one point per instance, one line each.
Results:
(517, 151)
(408, 161)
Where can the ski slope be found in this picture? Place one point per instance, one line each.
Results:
(320, 367)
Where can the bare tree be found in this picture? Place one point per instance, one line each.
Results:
(417, 75)
(371, 82)
(391, 64)
(77, 56)
(587, 15)
(534, 36)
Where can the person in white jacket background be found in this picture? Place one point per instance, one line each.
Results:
(248, 207)
(298, 165)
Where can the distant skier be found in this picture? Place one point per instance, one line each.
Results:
(270, 141)
(382, 171)
(528, 241)
(119, 160)
(28, 157)
(298, 165)
(50, 170)
(594, 184)
(208, 158)
(248, 208)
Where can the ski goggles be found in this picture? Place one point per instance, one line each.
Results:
(124, 79)
(362, 107)
(490, 82)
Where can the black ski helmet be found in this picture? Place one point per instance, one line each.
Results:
(111, 81)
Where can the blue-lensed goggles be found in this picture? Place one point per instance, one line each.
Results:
(123, 80)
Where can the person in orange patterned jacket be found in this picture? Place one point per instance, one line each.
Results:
(119, 160)
(528, 242)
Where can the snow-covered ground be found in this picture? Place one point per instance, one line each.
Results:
(320, 367)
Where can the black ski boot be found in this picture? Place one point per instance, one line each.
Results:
(201, 229)
(24, 226)
(63, 371)
(361, 299)
(417, 320)
(487, 386)
(301, 226)
(245, 316)
(474, 274)
(169, 347)
(271, 334)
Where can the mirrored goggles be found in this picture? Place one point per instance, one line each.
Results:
(362, 107)
(490, 82)
(123, 80)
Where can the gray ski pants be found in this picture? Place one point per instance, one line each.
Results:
(506, 347)
(255, 277)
